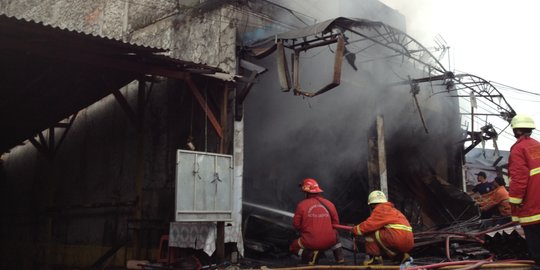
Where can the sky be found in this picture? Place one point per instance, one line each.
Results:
(493, 39)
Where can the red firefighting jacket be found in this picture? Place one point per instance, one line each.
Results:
(314, 221)
(524, 171)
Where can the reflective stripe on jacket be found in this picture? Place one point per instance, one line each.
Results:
(524, 171)
(384, 215)
(314, 221)
(389, 227)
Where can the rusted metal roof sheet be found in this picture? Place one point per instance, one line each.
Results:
(325, 27)
(267, 45)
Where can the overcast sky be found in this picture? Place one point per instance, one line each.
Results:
(494, 39)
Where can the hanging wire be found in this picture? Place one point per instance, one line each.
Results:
(294, 13)
(515, 89)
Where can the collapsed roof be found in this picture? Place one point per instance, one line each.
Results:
(362, 35)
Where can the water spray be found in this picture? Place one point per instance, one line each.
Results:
(270, 209)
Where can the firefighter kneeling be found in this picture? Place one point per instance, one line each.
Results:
(314, 218)
(386, 231)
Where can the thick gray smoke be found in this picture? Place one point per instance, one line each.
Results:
(289, 138)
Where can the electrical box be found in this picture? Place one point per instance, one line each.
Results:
(204, 187)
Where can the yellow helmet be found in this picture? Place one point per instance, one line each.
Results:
(376, 196)
(522, 121)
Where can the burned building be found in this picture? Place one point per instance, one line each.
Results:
(314, 130)
(101, 96)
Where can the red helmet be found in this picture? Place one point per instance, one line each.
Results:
(311, 186)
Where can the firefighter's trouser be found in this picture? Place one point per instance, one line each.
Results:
(532, 236)
(310, 256)
(389, 241)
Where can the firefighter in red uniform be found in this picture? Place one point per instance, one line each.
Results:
(524, 171)
(314, 218)
(386, 231)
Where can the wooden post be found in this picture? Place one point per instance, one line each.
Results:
(139, 166)
(220, 235)
(377, 174)
(373, 166)
(220, 241)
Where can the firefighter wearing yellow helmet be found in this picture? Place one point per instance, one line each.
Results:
(376, 196)
(387, 231)
(524, 172)
(522, 121)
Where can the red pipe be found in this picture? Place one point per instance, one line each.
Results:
(448, 248)
(476, 265)
(439, 265)
(472, 236)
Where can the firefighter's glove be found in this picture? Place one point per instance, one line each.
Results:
(355, 231)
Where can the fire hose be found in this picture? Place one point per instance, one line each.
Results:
(448, 236)
(342, 227)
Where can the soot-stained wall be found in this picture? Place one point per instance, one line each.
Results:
(84, 199)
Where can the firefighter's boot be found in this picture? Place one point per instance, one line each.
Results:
(373, 260)
(338, 255)
(310, 257)
(406, 259)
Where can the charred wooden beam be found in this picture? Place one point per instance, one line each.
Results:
(282, 68)
(223, 120)
(67, 127)
(377, 175)
(204, 105)
(49, 147)
(132, 116)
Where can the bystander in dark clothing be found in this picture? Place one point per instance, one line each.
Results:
(483, 185)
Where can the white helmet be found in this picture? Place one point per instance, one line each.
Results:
(376, 196)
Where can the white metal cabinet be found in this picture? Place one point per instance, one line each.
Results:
(204, 186)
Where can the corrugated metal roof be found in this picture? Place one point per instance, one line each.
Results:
(49, 73)
(159, 55)
(118, 42)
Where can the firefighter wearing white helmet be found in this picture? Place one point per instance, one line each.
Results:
(524, 191)
(386, 231)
